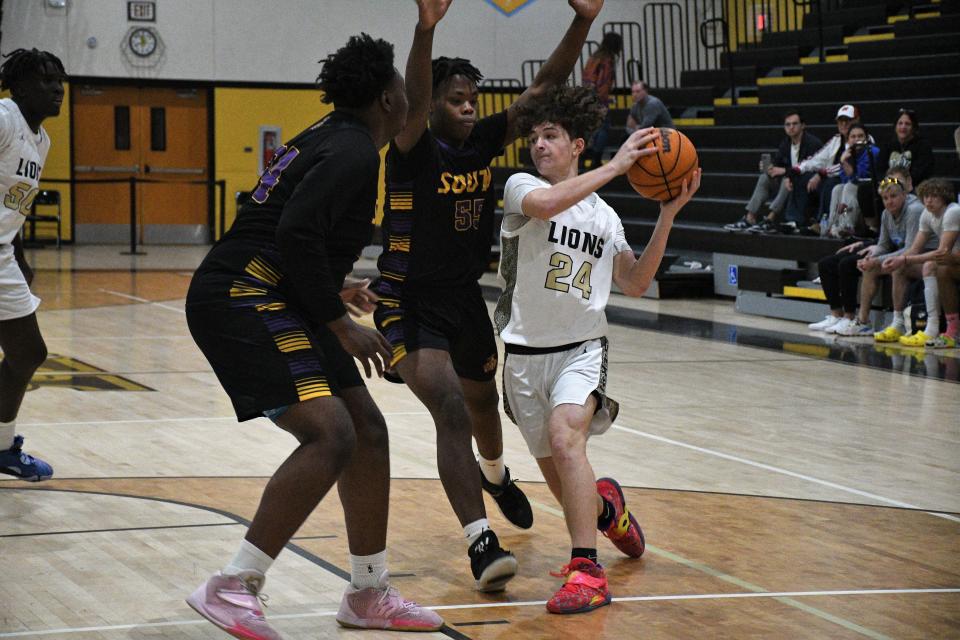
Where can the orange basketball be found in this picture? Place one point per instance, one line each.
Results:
(660, 176)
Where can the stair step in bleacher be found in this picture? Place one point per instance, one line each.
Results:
(930, 109)
(854, 91)
(927, 26)
(940, 134)
(883, 68)
(764, 58)
(804, 38)
(854, 17)
(719, 78)
(905, 47)
(697, 237)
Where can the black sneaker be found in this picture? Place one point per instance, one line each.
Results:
(492, 566)
(740, 225)
(764, 226)
(512, 502)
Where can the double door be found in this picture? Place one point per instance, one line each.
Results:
(158, 136)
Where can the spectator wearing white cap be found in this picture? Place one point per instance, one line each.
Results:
(825, 163)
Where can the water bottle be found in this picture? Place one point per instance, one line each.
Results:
(823, 224)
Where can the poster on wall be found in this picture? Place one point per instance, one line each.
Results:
(269, 141)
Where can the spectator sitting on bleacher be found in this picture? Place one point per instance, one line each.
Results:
(599, 73)
(940, 220)
(858, 165)
(899, 224)
(908, 148)
(794, 146)
(647, 110)
(821, 170)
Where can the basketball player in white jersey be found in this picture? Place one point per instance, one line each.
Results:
(561, 249)
(35, 81)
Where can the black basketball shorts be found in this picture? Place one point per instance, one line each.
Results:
(455, 321)
(266, 356)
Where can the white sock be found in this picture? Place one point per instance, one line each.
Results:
(366, 571)
(473, 530)
(250, 563)
(931, 294)
(899, 320)
(8, 430)
(493, 470)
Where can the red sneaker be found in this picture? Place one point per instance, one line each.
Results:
(624, 531)
(584, 590)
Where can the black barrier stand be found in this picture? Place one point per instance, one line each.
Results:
(133, 221)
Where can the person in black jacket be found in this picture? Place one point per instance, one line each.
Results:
(796, 145)
(908, 148)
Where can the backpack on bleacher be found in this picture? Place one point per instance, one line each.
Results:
(916, 307)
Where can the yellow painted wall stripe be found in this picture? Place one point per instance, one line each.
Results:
(840, 57)
(693, 122)
(726, 102)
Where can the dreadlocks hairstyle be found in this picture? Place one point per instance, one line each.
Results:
(22, 63)
(357, 73)
(445, 68)
(577, 109)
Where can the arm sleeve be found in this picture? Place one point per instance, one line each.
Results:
(885, 243)
(6, 128)
(333, 188)
(951, 218)
(819, 160)
(517, 187)
(620, 239)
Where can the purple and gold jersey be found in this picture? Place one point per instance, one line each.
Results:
(438, 217)
(306, 223)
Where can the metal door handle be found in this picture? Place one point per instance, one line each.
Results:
(97, 168)
(193, 171)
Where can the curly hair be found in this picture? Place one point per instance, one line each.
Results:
(445, 68)
(357, 73)
(577, 109)
(23, 63)
(938, 187)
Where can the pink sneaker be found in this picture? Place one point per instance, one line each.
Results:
(381, 607)
(233, 605)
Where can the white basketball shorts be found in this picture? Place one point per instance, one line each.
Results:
(16, 300)
(534, 384)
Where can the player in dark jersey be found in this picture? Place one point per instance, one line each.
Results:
(265, 307)
(35, 81)
(438, 227)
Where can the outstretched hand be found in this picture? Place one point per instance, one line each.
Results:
(432, 11)
(633, 148)
(358, 298)
(586, 8)
(363, 343)
(672, 207)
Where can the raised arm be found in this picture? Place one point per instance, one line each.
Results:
(559, 65)
(419, 74)
(549, 201)
(634, 276)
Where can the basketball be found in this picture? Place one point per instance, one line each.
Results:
(660, 176)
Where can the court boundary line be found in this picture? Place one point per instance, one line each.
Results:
(786, 472)
(144, 301)
(527, 603)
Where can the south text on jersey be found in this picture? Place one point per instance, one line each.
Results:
(465, 182)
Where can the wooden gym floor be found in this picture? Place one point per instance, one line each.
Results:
(788, 488)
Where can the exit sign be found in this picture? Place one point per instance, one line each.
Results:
(141, 11)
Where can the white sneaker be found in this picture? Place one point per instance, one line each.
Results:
(839, 326)
(829, 321)
(856, 329)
